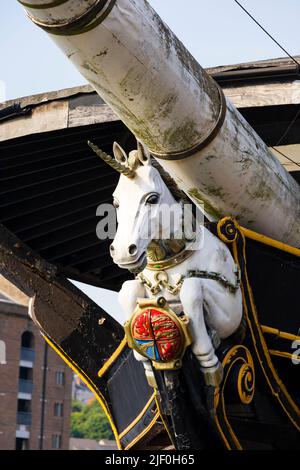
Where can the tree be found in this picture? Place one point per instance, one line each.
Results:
(89, 421)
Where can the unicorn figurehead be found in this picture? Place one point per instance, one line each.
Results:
(142, 200)
(154, 236)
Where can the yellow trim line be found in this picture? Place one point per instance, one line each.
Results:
(139, 416)
(112, 358)
(256, 325)
(284, 354)
(279, 334)
(139, 437)
(269, 241)
(85, 379)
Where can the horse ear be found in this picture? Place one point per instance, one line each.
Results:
(120, 154)
(143, 154)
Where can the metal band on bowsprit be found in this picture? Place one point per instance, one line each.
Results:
(44, 6)
(205, 141)
(80, 25)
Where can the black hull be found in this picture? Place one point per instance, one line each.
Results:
(257, 404)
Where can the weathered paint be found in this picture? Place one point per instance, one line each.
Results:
(143, 71)
(236, 175)
(61, 14)
(152, 82)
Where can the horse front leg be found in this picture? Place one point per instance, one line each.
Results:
(128, 295)
(192, 298)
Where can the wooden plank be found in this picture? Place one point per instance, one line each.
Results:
(59, 114)
(269, 94)
(41, 98)
(289, 156)
(12, 292)
(44, 118)
(86, 115)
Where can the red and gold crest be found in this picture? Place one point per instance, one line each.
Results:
(159, 334)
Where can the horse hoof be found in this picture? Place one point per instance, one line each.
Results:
(213, 376)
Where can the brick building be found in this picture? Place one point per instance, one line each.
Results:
(35, 385)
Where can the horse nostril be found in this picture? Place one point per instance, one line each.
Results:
(112, 248)
(132, 249)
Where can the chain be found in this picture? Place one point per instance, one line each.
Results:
(162, 281)
(217, 277)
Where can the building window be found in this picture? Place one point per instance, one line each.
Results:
(25, 373)
(27, 340)
(56, 441)
(24, 416)
(24, 406)
(22, 444)
(58, 409)
(27, 347)
(60, 378)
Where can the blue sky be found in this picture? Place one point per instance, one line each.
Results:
(217, 32)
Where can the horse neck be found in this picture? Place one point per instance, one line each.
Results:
(161, 249)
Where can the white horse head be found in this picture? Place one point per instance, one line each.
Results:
(141, 200)
(141, 203)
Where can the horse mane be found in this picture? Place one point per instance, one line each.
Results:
(169, 182)
(178, 194)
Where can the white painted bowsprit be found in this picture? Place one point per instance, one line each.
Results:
(167, 100)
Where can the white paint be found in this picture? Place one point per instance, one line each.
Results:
(28, 364)
(22, 432)
(138, 74)
(197, 295)
(269, 94)
(238, 176)
(135, 216)
(60, 14)
(24, 396)
(141, 70)
(45, 118)
(2, 353)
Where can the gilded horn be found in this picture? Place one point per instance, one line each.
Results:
(111, 161)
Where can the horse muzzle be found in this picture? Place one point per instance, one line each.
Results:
(132, 258)
(134, 266)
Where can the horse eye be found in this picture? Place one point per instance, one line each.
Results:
(152, 199)
(115, 204)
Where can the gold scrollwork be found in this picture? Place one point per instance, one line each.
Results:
(246, 383)
(227, 230)
(239, 386)
(239, 373)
